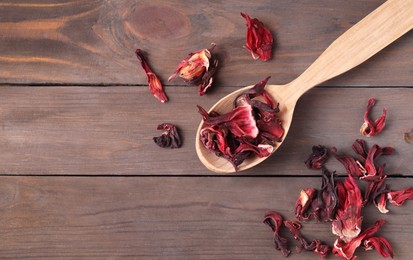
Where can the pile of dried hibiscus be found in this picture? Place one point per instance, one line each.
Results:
(251, 128)
(341, 202)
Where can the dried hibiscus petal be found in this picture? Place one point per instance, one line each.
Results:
(239, 121)
(155, 85)
(275, 221)
(398, 198)
(198, 69)
(370, 128)
(169, 138)
(381, 244)
(303, 203)
(317, 158)
(259, 39)
(347, 224)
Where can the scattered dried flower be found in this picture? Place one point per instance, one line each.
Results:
(169, 138)
(259, 39)
(155, 85)
(317, 158)
(274, 221)
(346, 250)
(198, 69)
(251, 128)
(370, 128)
(303, 202)
(364, 167)
(347, 224)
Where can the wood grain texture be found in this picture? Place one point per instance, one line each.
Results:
(165, 218)
(109, 130)
(92, 42)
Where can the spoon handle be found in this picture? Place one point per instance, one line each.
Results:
(377, 30)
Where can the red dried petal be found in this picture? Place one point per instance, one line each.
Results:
(353, 167)
(240, 121)
(372, 189)
(274, 221)
(259, 40)
(303, 202)
(399, 197)
(170, 138)
(347, 224)
(381, 205)
(370, 128)
(155, 85)
(207, 79)
(381, 244)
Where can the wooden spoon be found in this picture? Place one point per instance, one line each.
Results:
(377, 30)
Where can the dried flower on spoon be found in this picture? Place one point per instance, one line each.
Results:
(198, 69)
(251, 128)
(155, 85)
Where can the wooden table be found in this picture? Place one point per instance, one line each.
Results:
(80, 175)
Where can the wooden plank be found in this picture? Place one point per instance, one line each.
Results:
(109, 130)
(93, 42)
(165, 218)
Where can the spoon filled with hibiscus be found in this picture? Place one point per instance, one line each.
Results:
(245, 127)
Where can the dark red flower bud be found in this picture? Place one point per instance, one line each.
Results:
(198, 69)
(303, 202)
(170, 138)
(259, 39)
(317, 158)
(155, 85)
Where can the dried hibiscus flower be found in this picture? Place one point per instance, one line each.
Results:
(251, 128)
(275, 221)
(346, 250)
(170, 138)
(347, 222)
(304, 202)
(259, 39)
(364, 167)
(198, 69)
(155, 85)
(317, 158)
(370, 128)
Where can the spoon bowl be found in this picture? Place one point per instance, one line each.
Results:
(221, 165)
(377, 30)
